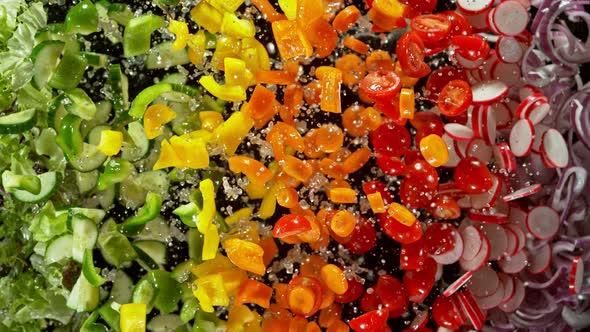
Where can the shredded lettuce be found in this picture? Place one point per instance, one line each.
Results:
(8, 12)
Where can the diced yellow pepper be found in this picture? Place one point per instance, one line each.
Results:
(207, 16)
(236, 73)
(255, 191)
(167, 158)
(234, 26)
(180, 31)
(269, 202)
(201, 134)
(197, 45)
(205, 217)
(111, 142)
(210, 292)
(210, 242)
(232, 279)
(241, 214)
(191, 152)
(226, 5)
(242, 319)
(216, 265)
(154, 119)
(227, 46)
(230, 134)
(289, 7)
(401, 214)
(225, 92)
(255, 55)
(133, 317)
(210, 120)
(246, 255)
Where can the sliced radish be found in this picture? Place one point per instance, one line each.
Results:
(458, 284)
(471, 309)
(467, 64)
(488, 125)
(539, 262)
(502, 113)
(514, 302)
(479, 260)
(512, 241)
(508, 73)
(498, 239)
(458, 131)
(489, 92)
(520, 234)
(521, 137)
(487, 199)
(492, 300)
(508, 284)
(538, 111)
(476, 114)
(527, 90)
(490, 22)
(472, 242)
(540, 129)
(510, 18)
(524, 107)
(543, 222)
(554, 149)
(461, 148)
(489, 216)
(576, 275)
(485, 71)
(464, 202)
(514, 263)
(454, 159)
(504, 157)
(483, 282)
(450, 188)
(517, 215)
(473, 7)
(508, 49)
(479, 149)
(453, 255)
(523, 192)
(478, 21)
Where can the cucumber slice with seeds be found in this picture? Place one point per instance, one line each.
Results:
(59, 248)
(50, 181)
(45, 57)
(18, 122)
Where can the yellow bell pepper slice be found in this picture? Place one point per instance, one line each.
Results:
(154, 119)
(290, 40)
(226, 92)
(205, 217)
(227, 46)
(242, 319)
(230, 134)
(226, 5)
(210, 119)
(236, 73)
(133, 317)
(181, 34)
(241, 214)
(255, 55)
(211, 292)
(201, 134)
(269, 201)
(197, 45)
(167, 158)
(192, 153)
(246, 255)
(289, 7)
(207, 17)
(216, 265)
(210, 242)
(234, 26)
(111, 142)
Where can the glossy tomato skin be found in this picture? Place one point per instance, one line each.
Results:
(398, 231)
(459, 24)
(422, 6)
(372, 321)
(381, 85)
(373, 186)
(439, 78)
(473, 47)
(419, 282)
(392, 166)
(416, 194)
(391, 109)
(445, 314)
(363, 238)
(422, 172)
(410, 52)
(392, 294)
(354, 291)
(413, 255)
(390, 140)
(472, 176)
(431, 28)
(445, 207)
(439, 238)
(455, 98)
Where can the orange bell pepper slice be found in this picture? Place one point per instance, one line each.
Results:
(330, 81)
(256, 172)
(345, 18)
(252, 291)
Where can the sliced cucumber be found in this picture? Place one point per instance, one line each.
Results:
(157, 229)
(96, 215)
(96, 60)
(163, 56)
(84, 296)
(86, 181)
(144, 292)
(133, 190)
(50, 181)
(95, 133)
(106, 197)
(70, 70)
(12, 181)
(45, 57)
(155, 249)
(136, 144)
(80, 104)
(18, 122)
(56, 112)
(119, 86)
(122, 288)
(59, 248)
(167, 323)
(174, 78)
(85, 236)
(103, 111)
(88, 160)
(145, 260)
(114, 246)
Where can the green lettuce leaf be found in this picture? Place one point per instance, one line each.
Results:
(8, 11)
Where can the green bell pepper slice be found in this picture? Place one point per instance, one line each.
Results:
(138, 32)
(69, 138)
(149, 211)
(116, 170)
(82, 18)
(168, 290)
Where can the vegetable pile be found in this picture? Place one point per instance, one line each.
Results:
(298, 165)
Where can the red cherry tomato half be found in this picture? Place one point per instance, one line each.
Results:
(422, 6)
(420, 171)
(373, 186)
(412, 255)
(445, 314)
(420, 329)
(455, 98)
(437, 81)
(363, 238)
(370, 301)
(416, 194)
(410, 52)
(398, 231)
(459, 24)
(418, 283)
(373, 321)
(445, 207)
(428, 121)
(473, 176)
(391, 109)
(431, 27)
(392, 294)
(290, 224)
(473, 47)
(381, 85)
(392, 166)
(439, 238)
(308, 288)
(354, 291)
(390, 140)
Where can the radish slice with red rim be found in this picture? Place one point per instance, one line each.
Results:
(508, 49)
(504, 157)
(538, 111)
(488, 125)
(525, 106)
(508, 284)
(483, 282)
(453, 255)
(554, 148)
(472, 242)
(492, 300)
(543, 222)
(517, 215)
(527, 90)
(508, 73)
(458, 131)
(487, 199)
(475, 114)
(514, 263)
(576, 275)
(512, 241)
(516, 299)
(454, 158)
(487, 216)
(489, 92)
(540, 129)
(479, 21)
(464, 202)
(510, 18)
(467, 64)
(472, 7)
(420, 320)
(471, 309)
(523, 192)
(498, 239)
(539, 262)
(490, 22)
(461, 148)
(457, 284)
(520, 234)
(522, 137)
(502, 114)
(479, 149)
(479, 260)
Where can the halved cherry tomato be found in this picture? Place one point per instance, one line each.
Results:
(410, 52)
(416, 194)
(439, 78)
(373, 321)
(459, 24)
(373, 186)
(412, 255)
(419, 282)
(398, 231)
(363, 238)
(392, 294)
(392, 166)
(370, 300)
(354, 291)
(289, 225)
(445, 207)
(381, 85)
(390, 140)
(304, 295)
(472, 48)
(439, 238)
(445, 314)
(455, 98)
(391, 109)
(422, 172)
(431, 27)
(422, 6)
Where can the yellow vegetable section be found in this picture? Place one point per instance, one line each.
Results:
(133, 317)
(111, 142)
